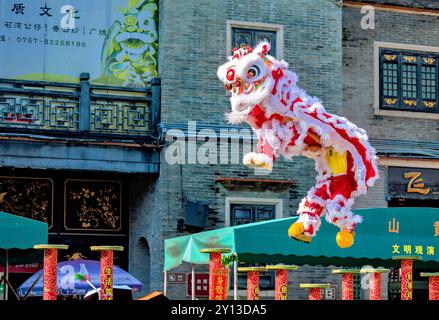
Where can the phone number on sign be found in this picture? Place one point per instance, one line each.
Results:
(52, 42)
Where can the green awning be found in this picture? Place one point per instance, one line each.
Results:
(385, 232)
(21, 233)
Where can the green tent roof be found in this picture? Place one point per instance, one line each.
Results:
(21, 233)
(384, 233)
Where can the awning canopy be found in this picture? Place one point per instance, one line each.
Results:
(21, 233)
(384, 233)
(18, 233)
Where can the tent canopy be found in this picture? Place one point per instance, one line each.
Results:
(17, 234)
(384, 233)
(21, 233)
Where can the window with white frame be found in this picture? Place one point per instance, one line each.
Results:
(249, 210)
(245, 37)
(243, 34)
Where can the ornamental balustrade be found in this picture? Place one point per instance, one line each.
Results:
(80, 109)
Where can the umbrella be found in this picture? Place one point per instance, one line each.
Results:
(68, 284)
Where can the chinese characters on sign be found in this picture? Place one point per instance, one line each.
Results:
(18, 8)
(176, 277)
(408, 249)
(220, 283)
(201, 284)
(67, 21)
(410, 183)
(121, 45)
(394, 226)
(416, 183)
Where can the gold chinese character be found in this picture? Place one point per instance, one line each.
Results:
(416, 184)
(419, 250)
(107, 271)
(108, 291)
(220, 280)
(108, 282)
(395, 248)
(394, 226)
(430, 250)
(219, 289)
(218, 297)
(407, 249)
(436, 228)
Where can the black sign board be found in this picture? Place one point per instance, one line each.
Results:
(413, 183)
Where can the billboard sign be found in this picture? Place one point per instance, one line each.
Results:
(116, 41)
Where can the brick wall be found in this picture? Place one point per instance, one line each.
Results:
(358, 71)
(192, 46)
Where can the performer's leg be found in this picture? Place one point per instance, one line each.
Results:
(310, 210)
(339, 210)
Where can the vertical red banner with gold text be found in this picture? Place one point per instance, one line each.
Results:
(406, 279)
(281, 285)
(347, 291)
(50, 274)
(219, 284)
(106, 275)
(253, 285)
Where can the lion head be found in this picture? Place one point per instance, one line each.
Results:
(247, 76)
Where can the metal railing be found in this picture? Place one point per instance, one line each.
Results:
(83, 110)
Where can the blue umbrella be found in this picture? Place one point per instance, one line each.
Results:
(68, 284)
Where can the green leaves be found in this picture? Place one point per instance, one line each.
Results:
(227, 260)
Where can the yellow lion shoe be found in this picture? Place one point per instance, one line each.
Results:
(296, 232)
(345, 239)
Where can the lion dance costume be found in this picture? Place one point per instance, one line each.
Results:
(289, 122)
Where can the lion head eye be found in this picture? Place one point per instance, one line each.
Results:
(253, 72)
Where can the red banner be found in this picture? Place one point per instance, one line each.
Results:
(281, 285)
(253, 285)
(315, 294)
(433, 288)
(218, 290)
(347, 291)
(106, 275)
(375, 286)
(50, 274)
(406, 279)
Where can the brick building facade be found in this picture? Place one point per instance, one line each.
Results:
(337, 60)
(308, 37)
